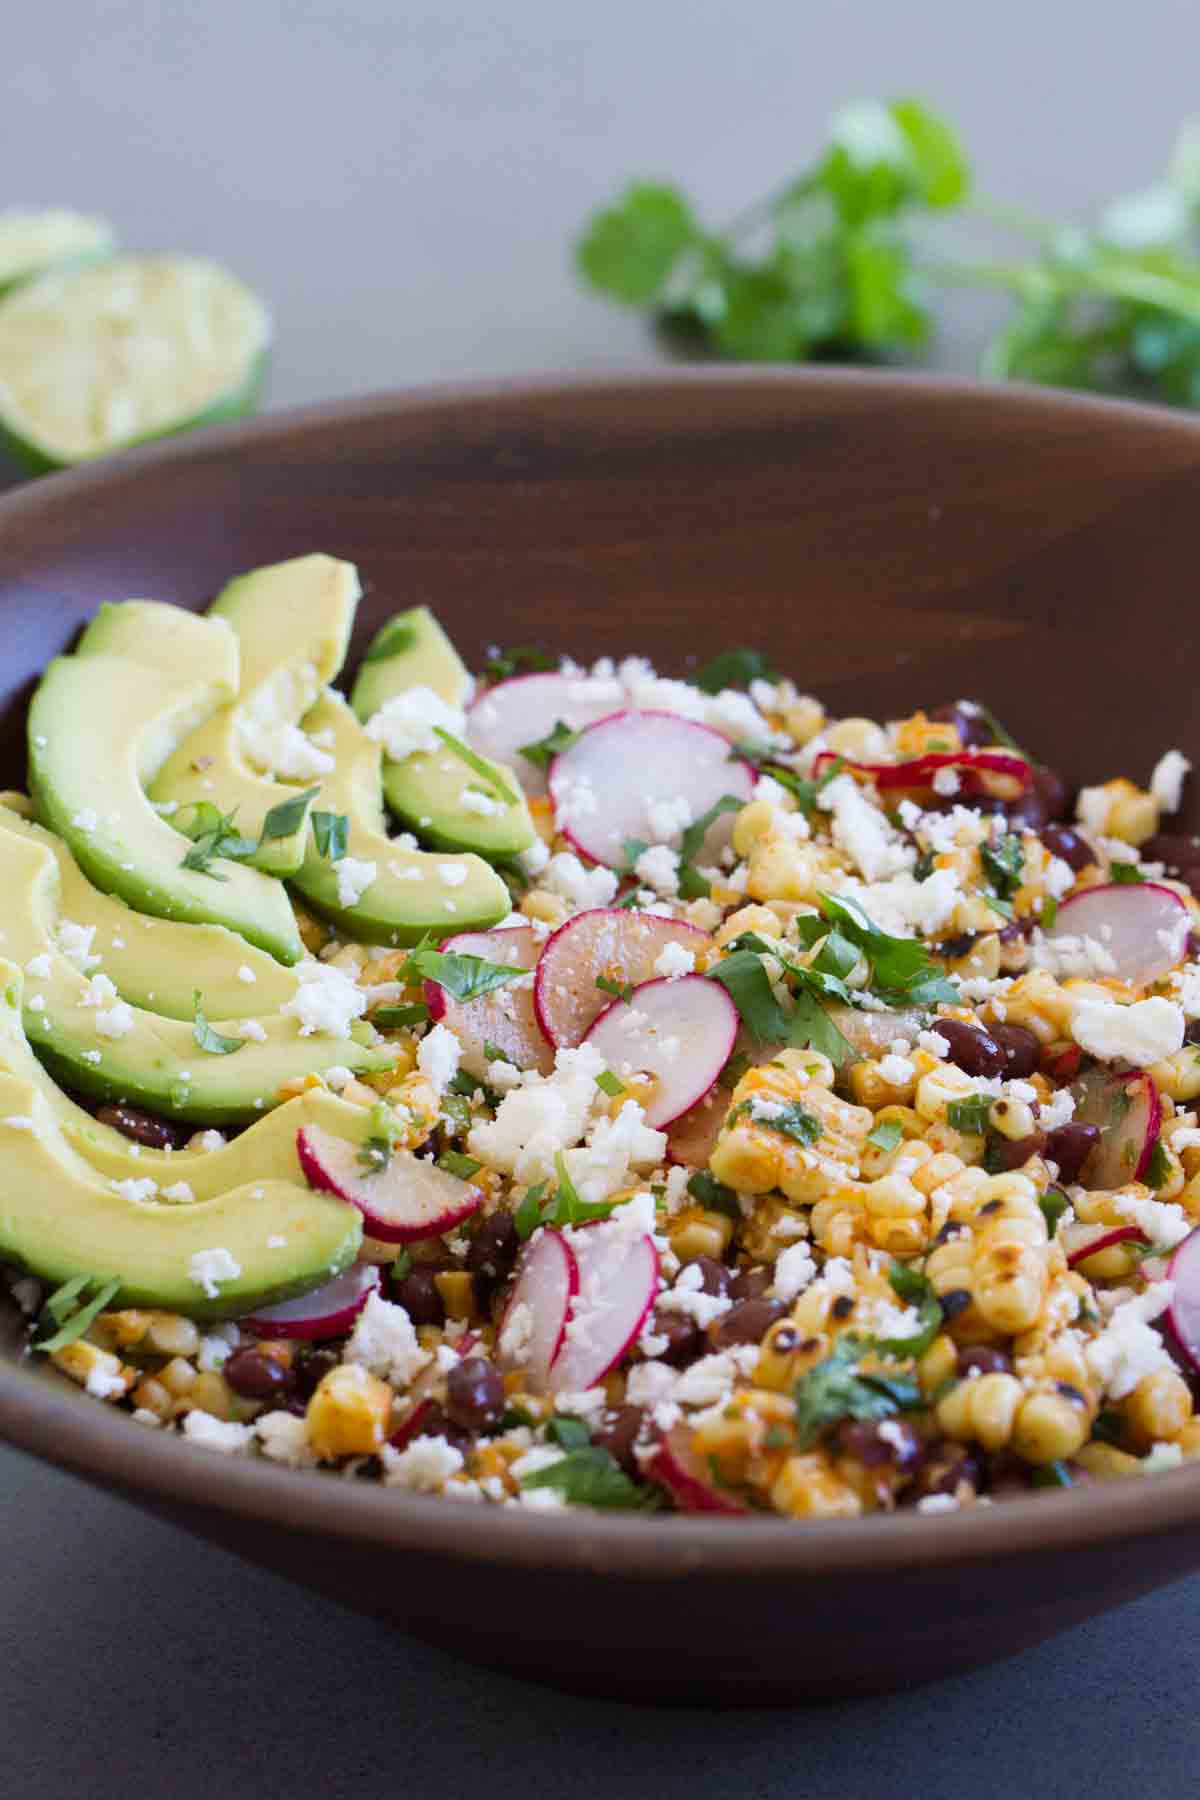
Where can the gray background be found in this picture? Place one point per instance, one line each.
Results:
(401, 181)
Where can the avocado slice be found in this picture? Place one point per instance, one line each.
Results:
(99, 727)
(293, 622)
(58, 1218)
(265, 1151)
(412, 892)
(153, 1062)
(155, 964)
(452, 803)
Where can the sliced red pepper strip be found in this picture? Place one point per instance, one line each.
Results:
(971, 766)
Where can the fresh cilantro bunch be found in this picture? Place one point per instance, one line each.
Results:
(823, 267)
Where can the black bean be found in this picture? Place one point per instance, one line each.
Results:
(746, 1323)
(974, 1050)
(1064, 842)
(842, 1307)
(255, 1375)
(418, 1295)
(947, 1465)
(475, 1394)
(1029, 813)
(618, 1433)
(967, 719)
(953, 1302)
(494, 1247)
(1021, 1049)
(951, 949)
(1052, 791)
(984, 1360)
(1004, 1153)
(1070, 1146)
(750, 1284)
(715, 1278)
(1175, 850)
(685, 1340)
(438, 1423)
(143, 1127)
(876, 1443)
(310, 1369)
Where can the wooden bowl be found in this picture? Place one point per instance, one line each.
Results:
(891, 541)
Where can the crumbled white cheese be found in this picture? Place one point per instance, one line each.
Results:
(438, 1056)
(217, 1434)
(424, 1466)
(327, 1000)
(98, 992)
(39, 967)
(116, 1022)
(405, 723)
(180, 1192)
(896, 1070)
(474, 800)
(1186, 983)
(1071, 957)
(283, 1438)
(567, 877)
(452, 875)
(666, 819)
(208, 1268)
(862, 831)
(1092, 808)
(937, 1503)
(673, 961)
(278, 747)
(1161, 1457)
(533, 860)
(658, 867)
(1058, 1110)
(794, 1269)
(20, 1122)
(354, 877)
(945, 782)
(615, 1147)
(1128, 1348)
(1140, 1034)
(253, 1029)
(246, 973)
(216, 1347)
(544, 1115)
(517, 1335)
(933, 1043)
(136, 1191)
(1166, 783)
(384, 1342)
(1163, 1224)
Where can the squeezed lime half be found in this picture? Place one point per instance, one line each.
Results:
(97, 359)
(33, 242)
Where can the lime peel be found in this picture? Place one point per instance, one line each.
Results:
(31, 243)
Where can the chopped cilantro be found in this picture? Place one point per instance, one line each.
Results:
(970, 1115)
(394, 1018)
(525, 659)
(924, 866)
(70, 1320)
(402, 1266)
(463, 977)
(495, 1052)
(902, 971)
(609, 1084)
(206, 1037)
(886, 1135)
(568, 1433)
(915, 1289)
(1054, 1204)
(620, 990)
(527, 1216)
(331, 834)
(213, 834)
(733, 1070)
(375, 1153)
(485, 770)
(733, 669)
(589, 1476)
(288, 816)
(544, 750)
(713, 1195)
(835, 1389)
(1158, 1168)
(455, 1163)
(1004, 861)
(1048, 911)
(1124, 872)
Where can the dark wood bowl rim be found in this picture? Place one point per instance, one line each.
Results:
(103, 1445)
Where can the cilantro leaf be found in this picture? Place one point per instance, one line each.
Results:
(463, 977)
(288, 816)
(331, 834)
(527, 1216)
(72, 1321)
(486, 771)
(693, 838)
(610, 1084)
(1124, 872)
(206, 1037)
(213, 834)
(567, 1432)
(590, 1476)
(970, 1115)
(744, 979)
(1054, 1204)
(620, 990)
(835, 1389)
(886, 1135)
(915, 1289)
(544, 750)
(713, 1195)
(525, 659)
(456, 1163)
(1158, 1168)
(902, 971)
(733, 669)
(629, 250)
(395, 1018)
(1004, 861)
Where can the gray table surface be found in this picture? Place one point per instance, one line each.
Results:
(401, 181)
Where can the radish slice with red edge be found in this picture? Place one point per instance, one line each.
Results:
(526, 709)
(414, 1424)
(1183, 1313)
(677, 1468)
(606, 785)
(504, 1017)
(408, 1200)
(1142, 925)
(327, 1312)
(607, 942)
(1081, 1241)
(682, 1032)
(692, 1138)
(994, 772)
(618, 1283)
(546, 1284)
(1128, 1112)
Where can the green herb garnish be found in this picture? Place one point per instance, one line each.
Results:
(1047, 912)
(886, 1135)
(401, 1266)
(463, 977)
(970, 1115)
(902, 971)
(395, 1018)
(214, 834)
(568, 1433)
(544, 750)
(589, 1476)
(1158, 1168)
(835, 1389)
(525, 659)
(1054, 1204)
(72, 1321)
(206, 1037)
(610, 1084)
(375, 1152)
(713, 1195)
(1124, 872)
(455, 1163)
(527, 1216)
(1004, 861)
(733, 669)
(485, 771)
(288, 816)
(331, 834)
(915, 1289)
(620, 990)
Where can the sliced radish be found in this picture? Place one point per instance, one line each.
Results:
(527, 708)
(413, 1424)
(677, 1468)
(622, 947)
(327, 1312)
(546, 1284)
(618, 1283)
(605, 786)
(408, 1200)
(692, 1139)
(505, 1017)
(1183, 1314)
(1142, 925)
(680, 1031)
(1127, 1110)
(993, 772)
(1081, 1241)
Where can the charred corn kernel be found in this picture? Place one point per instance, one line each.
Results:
(169, 1334)
(295, 1085)
(384, 965)
(417, 1108)
(1157, 1410)
(541, 904)
(786, 1353)
(152, 1396)
(749, 918)
(778, 868)
(981, 962)
(860, 740)
(870, 1087)
(1050, 1427)
(123, 1329)
(803, 719)
(753, 822)
(1104, 1462)
(1178, 1076)
(771, 1227)
(99, 1371)
(349, 1413)
(705, 915)
(808, 1487)
(457, 1288)
(314, 933)
(1132, 813)
(694, 1233)
(838, 1226)
(177, 1376)
(753, 1158)
(919, 735)
(938, 1364)
(982, 1410)
(1189, 1439)
(1189, 1197)
(1012, 1118)
(1040, 1003)
(350, 958)
(210, 1393)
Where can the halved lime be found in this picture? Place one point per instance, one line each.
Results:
(97, 359)
(33, 242)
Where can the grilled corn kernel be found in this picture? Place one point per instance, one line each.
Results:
(982, 1410)
(1157, 1410)
(177, 1377)
(861, 740)
(778, 868)
(152, 1396)
(803, 719)
(1178, 1076)
(753, 822)
(807, 1487)
(210, 1393)
(938, 1364)
(694, 1233)
(919, 735)
(348, 1414)
(457, 1288)
(1050, 1427)
(99, 1371)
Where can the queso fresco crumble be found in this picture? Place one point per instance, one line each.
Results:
(577, 1087)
